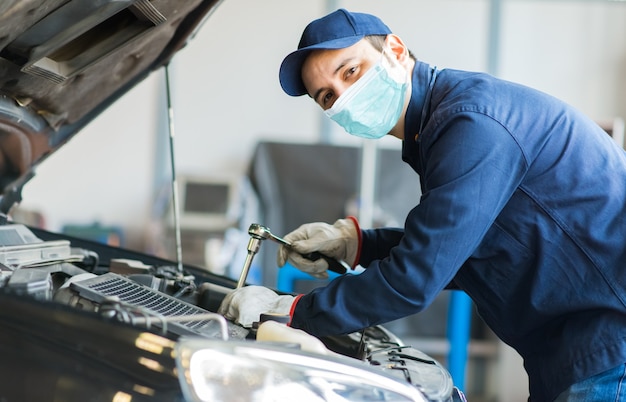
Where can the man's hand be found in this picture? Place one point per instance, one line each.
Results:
(245, 305)
(340, 241)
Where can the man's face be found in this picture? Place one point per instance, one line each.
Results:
(326, 74)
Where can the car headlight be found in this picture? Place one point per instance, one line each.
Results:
(214, 370)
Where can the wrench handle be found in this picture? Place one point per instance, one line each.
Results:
(340, 267)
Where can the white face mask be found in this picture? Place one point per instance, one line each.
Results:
(371, 107)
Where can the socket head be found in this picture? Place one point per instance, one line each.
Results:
(259, 231)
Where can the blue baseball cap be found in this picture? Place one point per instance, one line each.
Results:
(337, 30)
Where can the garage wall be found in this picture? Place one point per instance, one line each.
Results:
(575, 50)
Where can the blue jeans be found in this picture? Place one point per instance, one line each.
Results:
(609, 386)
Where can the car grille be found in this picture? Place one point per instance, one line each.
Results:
(110, 286)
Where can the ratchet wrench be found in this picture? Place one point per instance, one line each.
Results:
(338, 266)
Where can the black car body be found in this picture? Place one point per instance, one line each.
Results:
(83, 321)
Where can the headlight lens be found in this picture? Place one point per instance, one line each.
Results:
(251, 371)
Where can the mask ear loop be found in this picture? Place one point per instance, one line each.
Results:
(393, 68)
(429, 94)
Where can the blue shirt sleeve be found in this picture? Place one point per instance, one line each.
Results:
(472, 165)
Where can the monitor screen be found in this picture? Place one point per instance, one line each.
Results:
(206, 203)
(206, 197)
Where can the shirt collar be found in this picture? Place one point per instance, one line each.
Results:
(422, 74)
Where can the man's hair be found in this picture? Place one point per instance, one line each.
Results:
(378, 41)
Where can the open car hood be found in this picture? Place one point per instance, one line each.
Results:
(62, 62)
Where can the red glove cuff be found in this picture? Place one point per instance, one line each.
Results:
(360, 240)
(293, 308)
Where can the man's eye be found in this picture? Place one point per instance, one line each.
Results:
(327, 98)
(350, 71)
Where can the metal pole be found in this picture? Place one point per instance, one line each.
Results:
(493, 42)
(367, 199)
(175, 209)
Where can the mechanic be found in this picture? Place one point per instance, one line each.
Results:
(523, 207)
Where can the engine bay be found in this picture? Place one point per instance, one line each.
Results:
(162, 299)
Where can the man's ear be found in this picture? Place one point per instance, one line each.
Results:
(397, 47)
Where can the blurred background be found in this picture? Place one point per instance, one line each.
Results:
(245, 152)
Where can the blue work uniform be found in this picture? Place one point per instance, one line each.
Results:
(523, 207)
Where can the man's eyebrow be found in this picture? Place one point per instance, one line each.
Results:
(317, 94)
(339, 67)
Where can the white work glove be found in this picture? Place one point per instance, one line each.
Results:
(339, 240)
(245, 305)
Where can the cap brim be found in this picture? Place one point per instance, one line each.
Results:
(290, 73)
